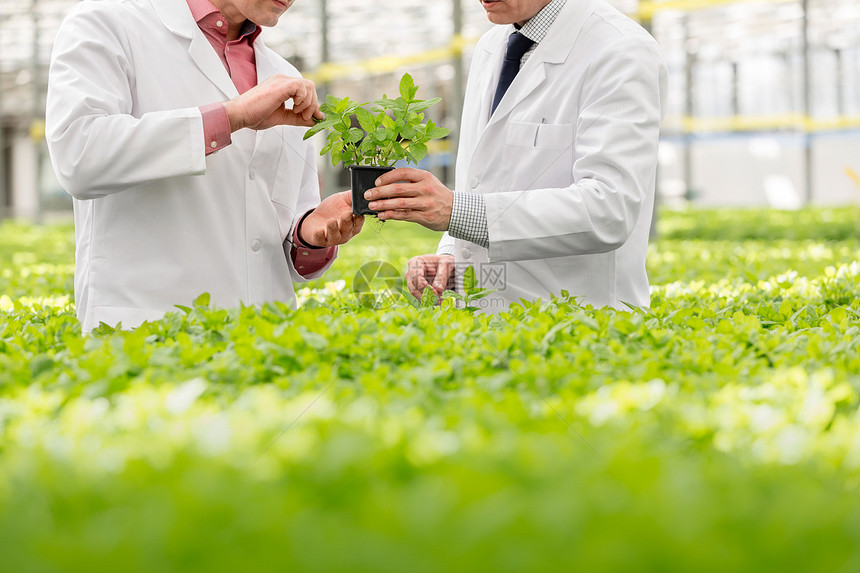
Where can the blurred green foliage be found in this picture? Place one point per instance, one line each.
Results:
(717, 431)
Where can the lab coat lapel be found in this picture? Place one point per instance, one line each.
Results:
(265, 69)
(554, 49)
(490, 68)
(176, 17)
(488, 80)
(530, 77)
(210, 64)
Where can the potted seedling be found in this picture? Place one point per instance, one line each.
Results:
(390, 130)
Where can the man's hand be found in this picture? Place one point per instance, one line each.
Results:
(262, 106)
(435, 271)
(331, 223)
(412, 195)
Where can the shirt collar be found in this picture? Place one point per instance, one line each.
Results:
(538, 26)
(250, 30)
(201, 8)
(204, 9)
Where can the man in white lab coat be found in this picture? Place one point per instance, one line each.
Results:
(556, 163)
(179, 135)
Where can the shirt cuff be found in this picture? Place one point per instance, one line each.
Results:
(308, 260)
(469, 219)
(216, 127)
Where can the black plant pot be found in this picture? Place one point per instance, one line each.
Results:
(362, 178)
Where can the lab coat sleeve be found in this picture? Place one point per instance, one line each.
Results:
(309, 198)
(614, 165)
(97, 145)
(446, 245)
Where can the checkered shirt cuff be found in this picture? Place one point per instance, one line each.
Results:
(469, 219)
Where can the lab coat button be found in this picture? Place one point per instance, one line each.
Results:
(256, 245)
(251, 175)
(467, 254)
(474, 183)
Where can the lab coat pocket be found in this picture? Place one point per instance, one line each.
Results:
(539, 135)
(270, 161)
(542, 154)
(278, 174)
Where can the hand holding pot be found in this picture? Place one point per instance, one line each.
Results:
(415, 195)
(331, 223)
(262, 106)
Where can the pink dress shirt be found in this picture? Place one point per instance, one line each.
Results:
(241, 63)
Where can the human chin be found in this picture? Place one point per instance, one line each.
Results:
(274, 11)
(495, 10)
(268, 17)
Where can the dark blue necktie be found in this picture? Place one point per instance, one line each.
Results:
(518, 45)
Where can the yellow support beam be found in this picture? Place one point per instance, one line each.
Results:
(388, 64)
(797, 122)
(37, 130)
(647, 9)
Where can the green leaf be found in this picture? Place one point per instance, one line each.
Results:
(428, 298)
(438, 132)
(407, 85)
(421, 105)
(322, 125)
(366, 120)
(202, 300)
(336, 152)
(367, 145)
(382, 104)
(343, 126)
(391, 135)
(432, 131)
(352, 108)
(312, 131)
(398, 106)
(341, 105)
(330, 105)
(414, 302)
(470, 281)
(354, 135)
(418, 151)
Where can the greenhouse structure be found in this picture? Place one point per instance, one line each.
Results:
(606, 320)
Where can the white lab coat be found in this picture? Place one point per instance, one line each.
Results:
(567, 163)
(157, 222)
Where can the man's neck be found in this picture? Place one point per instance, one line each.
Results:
(235, 19)
(524, 22)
